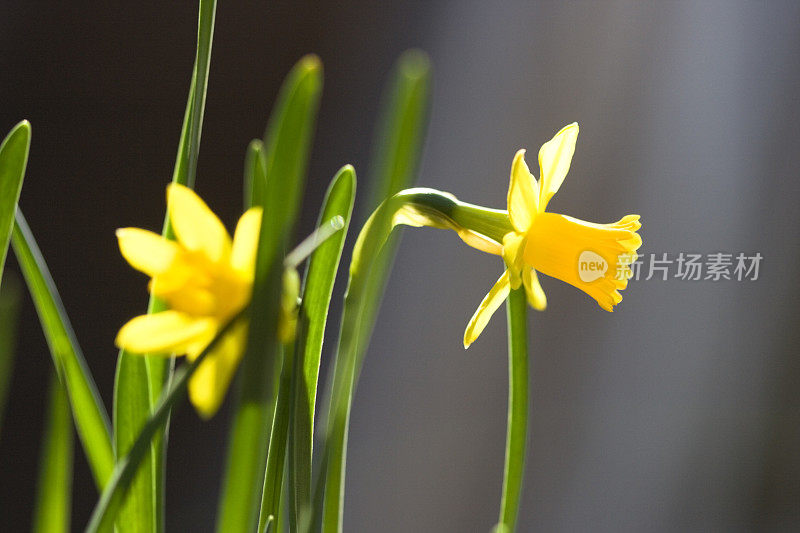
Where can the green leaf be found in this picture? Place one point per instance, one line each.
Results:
(91, 419)
(114, 493)
(517, 432)
(54, 490)
(317, 290)
(9, 313)
(401, 128)
(399, 141)
(140, 379)
(287, 145)
(255, 172)
(131, 411)
(13, 160)
(276, 452)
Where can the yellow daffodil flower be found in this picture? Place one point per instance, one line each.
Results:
(206, 279)
(592, 257)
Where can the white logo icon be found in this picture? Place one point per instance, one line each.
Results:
(591, 266)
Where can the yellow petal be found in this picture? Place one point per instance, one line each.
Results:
(146, 251)
(555, 157)
(209, 383)
(514, 257)
(187, 299)
(164, 333)
(196, 226)
(490, 303)
(245, 242)
(480, 242)
(523, 197)
(533, 290)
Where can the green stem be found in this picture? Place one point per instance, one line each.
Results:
(517, 435)
(439, 210)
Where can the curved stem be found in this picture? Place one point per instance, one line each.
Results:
(416, 207)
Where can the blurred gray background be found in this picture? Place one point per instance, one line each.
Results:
(678, 412)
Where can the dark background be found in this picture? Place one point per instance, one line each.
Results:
(679, 411)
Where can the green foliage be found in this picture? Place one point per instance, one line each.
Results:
(54, 490)
(317, 291)
(287, 145)
(9, 313)
(140, 379)
(275, 402)
(91, 419)
(121, 478)
(399, 140)
(13, 160)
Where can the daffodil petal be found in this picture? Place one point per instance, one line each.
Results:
(196, 226)
(146, 251)
(497, 294)
(523, 194)
(533, 290)
(514, 257)
(555, 157)
(209, 383)
(480, 242)
(164, 333)
(245, 242)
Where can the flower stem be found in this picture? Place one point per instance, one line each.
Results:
(517, 433)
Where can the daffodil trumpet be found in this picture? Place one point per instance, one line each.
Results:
(525, 235)
(205, 278)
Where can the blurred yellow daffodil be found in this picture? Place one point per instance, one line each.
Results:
(206, 279)
(592, 257)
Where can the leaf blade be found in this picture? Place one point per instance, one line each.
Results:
(287, 145)
(113, 495)
(399, 142)
(140, 379)
(13, 161)
(316, 298)
(10, 295)
(53, 496)
(91, 419)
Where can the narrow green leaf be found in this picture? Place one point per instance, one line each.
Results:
(54, 490)
(255, 172)
(131, 411)
(140, 379)
(205, 34)
(91, 419)
(13, 160)
(9, 313)
(517, 432)
(399, 141)
(277, 486)
(119, 483)
(276, 452)
(401, 128)
(317, 290)
(287, 146)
